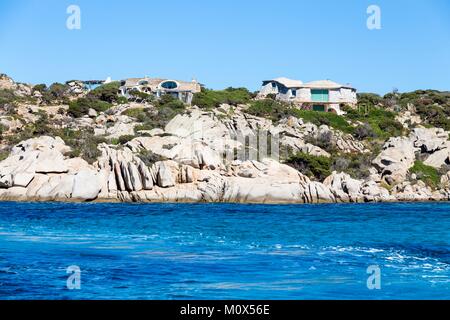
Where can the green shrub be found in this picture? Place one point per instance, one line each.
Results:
(369, 99)
(364, 131)
(84, 143)
(167, 107)
(40, 88)
(126, 138)
(149, 158)
(381, 121)
(40, 127)
(323, 140)
(427, 174)
(107, 92)
(317, 167)
(356, 165)
(271, 109)
(140, 114)
(210, 99)
(139, 96)
(56, 93)
(81, 106)
(7, 97)
(4, 154)
(435, 115)
(325, 118)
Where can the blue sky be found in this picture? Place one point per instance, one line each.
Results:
(230, 42)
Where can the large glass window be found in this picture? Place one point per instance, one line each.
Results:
(319, 95)
(169, 85)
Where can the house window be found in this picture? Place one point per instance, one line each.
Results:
(274, 85)
(319, 95)
(294, 93)
(169, 85)
(283, 90)
(318, 107)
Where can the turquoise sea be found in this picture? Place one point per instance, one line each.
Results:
(224, 251)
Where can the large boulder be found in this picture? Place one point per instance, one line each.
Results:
(51, 161)
(344, 187)
(439, 158)
(166, 173)
(396, 158)
(197, 125)
(429, 139)
(86, 186)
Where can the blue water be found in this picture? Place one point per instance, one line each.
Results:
(224, 251)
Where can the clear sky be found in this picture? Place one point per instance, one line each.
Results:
(230, 42)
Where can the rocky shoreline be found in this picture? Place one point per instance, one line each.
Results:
(38, 170)
(202, 155)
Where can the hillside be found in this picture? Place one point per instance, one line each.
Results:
(60, 143)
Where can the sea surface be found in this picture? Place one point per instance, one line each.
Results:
(225, 251)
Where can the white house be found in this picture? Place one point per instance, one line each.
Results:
(181, 90)
(322, 95)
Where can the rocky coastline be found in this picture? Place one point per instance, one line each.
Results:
(185, 161)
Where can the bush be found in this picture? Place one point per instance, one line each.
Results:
(80, 107)
(40, 127)
(167, 108)
(140, 114)
(325, 118)
(107, 92)
(381, 121)
(210, 99)
(40, 88)
(125, 139)
(141, 97)
(356, 165)
(4, 154)
(7, 97)
(435, 115)
(364, 131)
(84, 143)
(317, 167)
(323, 140)
(54, 94)
(369, 99)
(271, 109)
(149, 158)
(427, 174)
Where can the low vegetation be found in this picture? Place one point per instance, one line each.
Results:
(8, 98)
(56, 93)
(167, 107)
(320, 167)
(427, 174)
(149, 158)
(270, 109)
(377, 122)
(315, 167)
(210, 99)
(80, 107)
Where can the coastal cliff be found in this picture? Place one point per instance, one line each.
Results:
(69, 145)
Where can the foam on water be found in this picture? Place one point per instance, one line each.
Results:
(224, 251)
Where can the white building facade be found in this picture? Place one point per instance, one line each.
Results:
(322, 95)
(182, 90)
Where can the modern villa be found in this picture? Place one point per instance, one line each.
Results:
(181, 90)
(322, 95)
